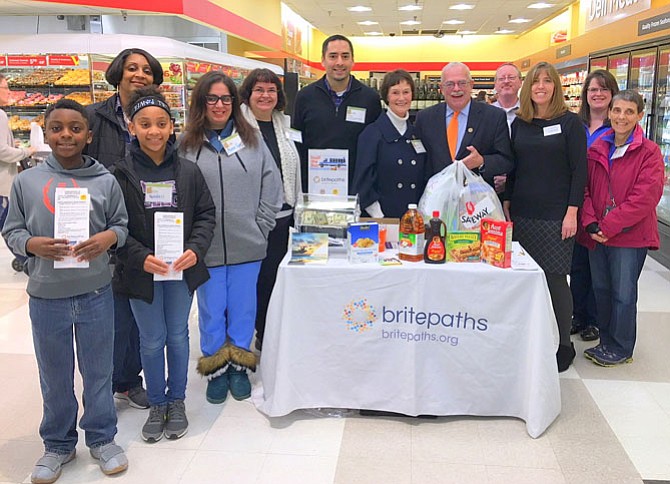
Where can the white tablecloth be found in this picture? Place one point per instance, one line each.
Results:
(451, 339)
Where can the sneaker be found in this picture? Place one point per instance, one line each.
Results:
(136, 397)
(240, 386)
(177, 423)
(590, 333)
(152, 431)
(590, 353)
(608, 358)
(217, 389)
(112, 458)
(48, 468)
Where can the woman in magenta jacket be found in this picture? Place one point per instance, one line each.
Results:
(625, 183)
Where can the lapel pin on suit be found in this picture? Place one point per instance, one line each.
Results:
(470, 130)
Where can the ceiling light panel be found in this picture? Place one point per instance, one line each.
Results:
(332, 16)
(359, 8)
(462, 6)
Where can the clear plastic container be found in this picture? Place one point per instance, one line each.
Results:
(411, 235)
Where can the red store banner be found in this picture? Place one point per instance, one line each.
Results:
(3, 60)
(63, 60)
(26, 60)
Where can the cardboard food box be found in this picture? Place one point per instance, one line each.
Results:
(497, 242)
(463, 246)
(363, 242)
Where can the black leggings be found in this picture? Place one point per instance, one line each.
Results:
(561, 300)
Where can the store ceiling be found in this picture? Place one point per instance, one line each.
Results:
(29, 7)
(331, 16)
(487, 17)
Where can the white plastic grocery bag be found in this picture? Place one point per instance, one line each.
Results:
(462, 198)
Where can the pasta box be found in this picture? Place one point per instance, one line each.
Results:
(496, 242)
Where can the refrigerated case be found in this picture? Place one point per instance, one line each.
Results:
(618, 66)
(598, 63)
(662, 127)
(642, 79)
(645, 67)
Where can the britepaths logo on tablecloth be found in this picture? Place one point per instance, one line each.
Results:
(415, 326)
(359, 315)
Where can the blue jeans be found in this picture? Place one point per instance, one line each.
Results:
(231, 292)
(127, 362)
(615, 272)
(164, 323)
(92, 316)
(581, 286)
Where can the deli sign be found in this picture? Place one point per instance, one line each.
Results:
(603, 12)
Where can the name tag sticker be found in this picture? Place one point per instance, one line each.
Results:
(158, 193)
(355, 115)
(294, 134)
(418, 146)
(232, 144)
(552, 130)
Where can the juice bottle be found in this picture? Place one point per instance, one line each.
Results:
(411, 235)
(436, 250)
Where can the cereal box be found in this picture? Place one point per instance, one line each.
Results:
(463, 246)
(363, 242)
(497, 242)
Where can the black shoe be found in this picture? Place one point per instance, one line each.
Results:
(576, 327)
(564, 357)
(590, 333)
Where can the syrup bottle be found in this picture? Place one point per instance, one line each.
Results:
(436, 250)
(411, 235)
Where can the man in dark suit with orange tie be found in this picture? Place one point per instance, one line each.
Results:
(459, 129)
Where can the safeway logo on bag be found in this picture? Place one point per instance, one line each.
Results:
(475, 213)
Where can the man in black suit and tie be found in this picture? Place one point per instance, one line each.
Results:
(459, 129)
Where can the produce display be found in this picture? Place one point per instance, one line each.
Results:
(78, 77)
(99, 96)
(82, 97)
(37, 99)
(17, 123)
(48, 77)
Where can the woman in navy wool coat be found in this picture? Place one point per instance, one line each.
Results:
(390, 166)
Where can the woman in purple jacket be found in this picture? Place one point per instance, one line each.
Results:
(625, 183)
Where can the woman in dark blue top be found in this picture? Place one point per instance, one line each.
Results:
(597, 92)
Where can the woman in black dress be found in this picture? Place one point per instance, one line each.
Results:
(546, 188)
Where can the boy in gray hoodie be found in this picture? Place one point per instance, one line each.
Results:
(63, 299)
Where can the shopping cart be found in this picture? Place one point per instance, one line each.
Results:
(18, 264)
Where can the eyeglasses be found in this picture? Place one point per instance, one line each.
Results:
(451, 84)
(507, 78)
(259, 91)
(596, 90)
(212, 99)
